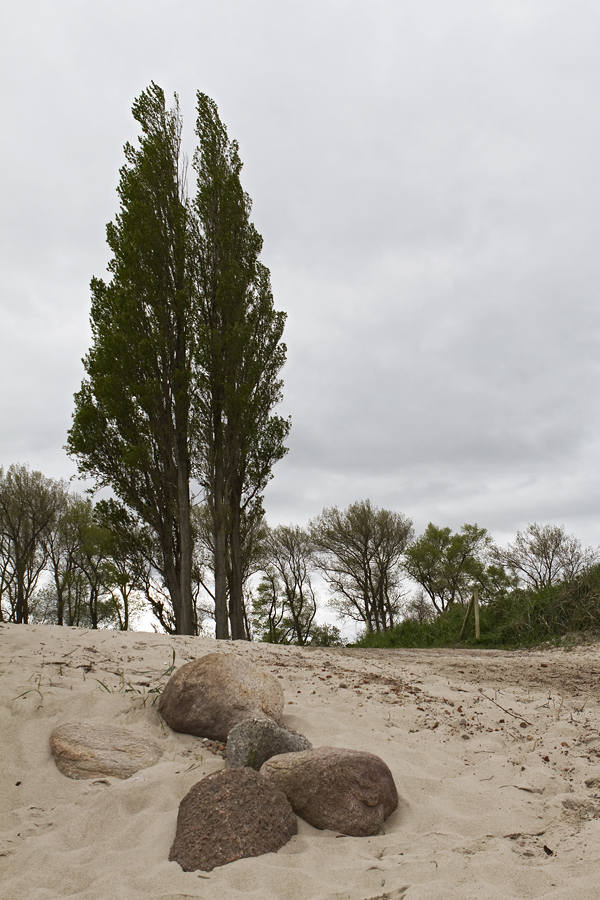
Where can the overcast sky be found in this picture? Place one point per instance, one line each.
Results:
(425, 174)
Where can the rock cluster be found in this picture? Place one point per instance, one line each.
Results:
(273, 772)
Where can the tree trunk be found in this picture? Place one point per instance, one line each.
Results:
(171, 575)
(21, 610)
(93, 606)
(124, 622)
(220, 563)
(219, 511)
(236, 601)
(186, 623)
(60, 606)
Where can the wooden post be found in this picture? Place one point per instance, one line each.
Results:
(469, 608)
(476, 608)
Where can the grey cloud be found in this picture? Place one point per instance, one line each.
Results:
(425, 177)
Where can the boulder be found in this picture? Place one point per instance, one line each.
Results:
(82, 750)
(210, 695)
(349, 791)
(254, 741)
(228, 815)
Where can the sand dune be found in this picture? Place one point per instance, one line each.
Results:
(496, 756)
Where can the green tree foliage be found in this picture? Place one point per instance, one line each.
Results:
(449, 565)
(29, 507)
(565, 613)
(182, 376)
(135, 568)
(544, 555)
(127, 562)
(75, 551)
(326, 635)
(89, 579)
(131, 426)
(63, 599)
(273, 623)
(269, 621)
(360, 551)
(92, 559)
(239, 355)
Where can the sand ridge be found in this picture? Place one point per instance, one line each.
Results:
(496, 756)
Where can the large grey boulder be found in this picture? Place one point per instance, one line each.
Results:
(228, 815)
(210, 695)
(349, 791)
(255, 740)
(84, 750)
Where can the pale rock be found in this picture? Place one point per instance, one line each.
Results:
(85, 750)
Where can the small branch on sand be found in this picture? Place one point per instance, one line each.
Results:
(514, 715)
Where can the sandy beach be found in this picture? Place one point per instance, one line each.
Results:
(496, 756)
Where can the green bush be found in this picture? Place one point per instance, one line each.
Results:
(520, 618)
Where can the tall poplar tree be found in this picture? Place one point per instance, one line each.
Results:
(239, 357)
(131, 425)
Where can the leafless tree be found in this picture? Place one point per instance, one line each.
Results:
(419, 608)
(544, 555)
(360, 551)
(289, 555)
(29, 507)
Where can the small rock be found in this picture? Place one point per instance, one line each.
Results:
(254, 741)
(349, 791)
(228, 815)
(210, 695)
(82, 750)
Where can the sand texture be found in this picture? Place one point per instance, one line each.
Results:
(496, 757)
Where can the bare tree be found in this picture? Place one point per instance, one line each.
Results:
(418, 607)
(544, 555)
(289, 554)
(360, 551)
(29, 506)
(64, 598)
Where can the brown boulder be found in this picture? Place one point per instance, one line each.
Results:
(229, 815)
(210, 695)
(349, 791)
(82, 750)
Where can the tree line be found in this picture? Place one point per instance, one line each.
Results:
(68, 561)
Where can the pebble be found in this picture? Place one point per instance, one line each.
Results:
(215, 747)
